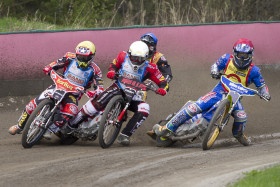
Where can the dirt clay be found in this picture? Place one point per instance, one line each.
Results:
(142, 163)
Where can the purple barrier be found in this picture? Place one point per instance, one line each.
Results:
(23, 55)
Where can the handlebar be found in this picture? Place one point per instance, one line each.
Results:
(256, 92)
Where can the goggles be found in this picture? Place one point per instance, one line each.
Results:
(137, 59)
(242, 55)
(84, 58)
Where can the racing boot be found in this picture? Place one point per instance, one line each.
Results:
(14, 130)
(162, 131)
(123, 139)
(152, 134)
(244, 140)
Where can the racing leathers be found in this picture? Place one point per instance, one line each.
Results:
(163, 66)
(82, 77)
(141, 109)
(225, 63)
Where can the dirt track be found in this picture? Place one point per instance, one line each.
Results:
(143, 164)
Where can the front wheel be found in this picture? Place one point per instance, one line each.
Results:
(108, 128)
(213, 129)
(33, 130)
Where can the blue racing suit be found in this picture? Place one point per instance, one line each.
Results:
(201, 107)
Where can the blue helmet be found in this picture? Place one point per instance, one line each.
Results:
(151, 40)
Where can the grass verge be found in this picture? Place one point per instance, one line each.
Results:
(260, 178)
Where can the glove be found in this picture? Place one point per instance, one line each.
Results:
(47, 70)
(215, 75)
(215, 71)
(111, 74)
(94, 93)
(266, 96)
(161, 91)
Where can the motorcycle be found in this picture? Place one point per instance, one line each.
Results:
(42, 117)
(115, 112)
(198, 127)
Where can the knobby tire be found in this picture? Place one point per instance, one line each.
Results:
(38, 134)
(111, 112)
(213, 129)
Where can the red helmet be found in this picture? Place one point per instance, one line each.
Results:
(243, 51)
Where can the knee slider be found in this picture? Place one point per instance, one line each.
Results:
(192, 109)
(240, 116)
(144, 108)
(89, 109)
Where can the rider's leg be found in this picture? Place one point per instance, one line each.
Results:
(240, 119)
(189, 110)
(94, 105)
(30, 107)
(68, 110)
(135, 122)
(16, 129)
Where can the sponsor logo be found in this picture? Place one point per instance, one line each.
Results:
(75, 79)
(241, 74)
(241, 114)
(30, 107)
(73, 109)
(23, 118)
(178, 118)
(130, 76)
(234, 86)
(73, 98)
(192, 108)
(208, 95)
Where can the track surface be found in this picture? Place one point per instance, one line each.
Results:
(142, 163)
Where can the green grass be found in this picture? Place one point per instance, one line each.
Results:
(260, 178)
(14, 25)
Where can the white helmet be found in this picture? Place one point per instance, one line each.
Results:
(138, 53)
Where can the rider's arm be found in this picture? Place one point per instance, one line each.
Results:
(257, 78)
(219, 65)
(165, 68)
(60, 63)
(96, 78)
(117, 62)
(156, 76)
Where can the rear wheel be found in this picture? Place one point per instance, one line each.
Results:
(108, 128)
(213, 129)
(33, 130)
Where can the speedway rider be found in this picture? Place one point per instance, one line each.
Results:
(130, 64)
(156, 57)
(240, 69)
(79, 69)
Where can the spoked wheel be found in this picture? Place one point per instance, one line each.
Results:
(108, 128)
(213, 129)
(33, 131)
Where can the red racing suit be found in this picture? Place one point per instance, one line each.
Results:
(71, 71)
(141, 109)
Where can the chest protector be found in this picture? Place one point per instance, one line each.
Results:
(76, 75)
(236, 75)
(128, 72)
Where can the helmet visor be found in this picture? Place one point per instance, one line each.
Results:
(242, 55)
(137, 60)
(84, 58)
